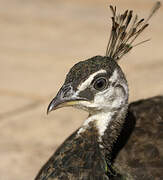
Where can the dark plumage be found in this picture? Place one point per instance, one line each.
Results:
(141, 140)
(138, 152)
(116, 141)
(77, 158)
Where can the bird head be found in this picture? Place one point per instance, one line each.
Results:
(96, 84)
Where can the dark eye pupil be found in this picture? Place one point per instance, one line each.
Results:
(100, 84)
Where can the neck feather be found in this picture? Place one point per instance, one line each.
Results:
(108, 125)
(100, 120)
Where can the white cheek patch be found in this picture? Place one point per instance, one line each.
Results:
(121, 96)
(113, 97)
(101, 98)
(88, 81)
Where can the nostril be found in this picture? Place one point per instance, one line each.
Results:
(66, 91)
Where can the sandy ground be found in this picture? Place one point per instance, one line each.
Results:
(39, 41)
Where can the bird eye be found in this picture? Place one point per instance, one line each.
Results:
(100, 84)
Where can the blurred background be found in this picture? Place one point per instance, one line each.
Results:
(39, 41)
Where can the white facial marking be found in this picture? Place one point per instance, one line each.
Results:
(111, 98)
(120, 98)
(102, 99)
(88, 81)
(114, 77)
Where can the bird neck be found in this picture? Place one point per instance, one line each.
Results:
(108, 126)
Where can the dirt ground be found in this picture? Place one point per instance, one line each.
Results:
(39, 41)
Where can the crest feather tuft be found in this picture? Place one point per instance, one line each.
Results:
(125, 29)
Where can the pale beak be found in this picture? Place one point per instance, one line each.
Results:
(65, 97)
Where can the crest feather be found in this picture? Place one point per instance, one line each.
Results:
(125, 29)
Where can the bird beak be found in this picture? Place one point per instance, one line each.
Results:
(65, 97)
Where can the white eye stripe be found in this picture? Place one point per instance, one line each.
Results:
(88, 81)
